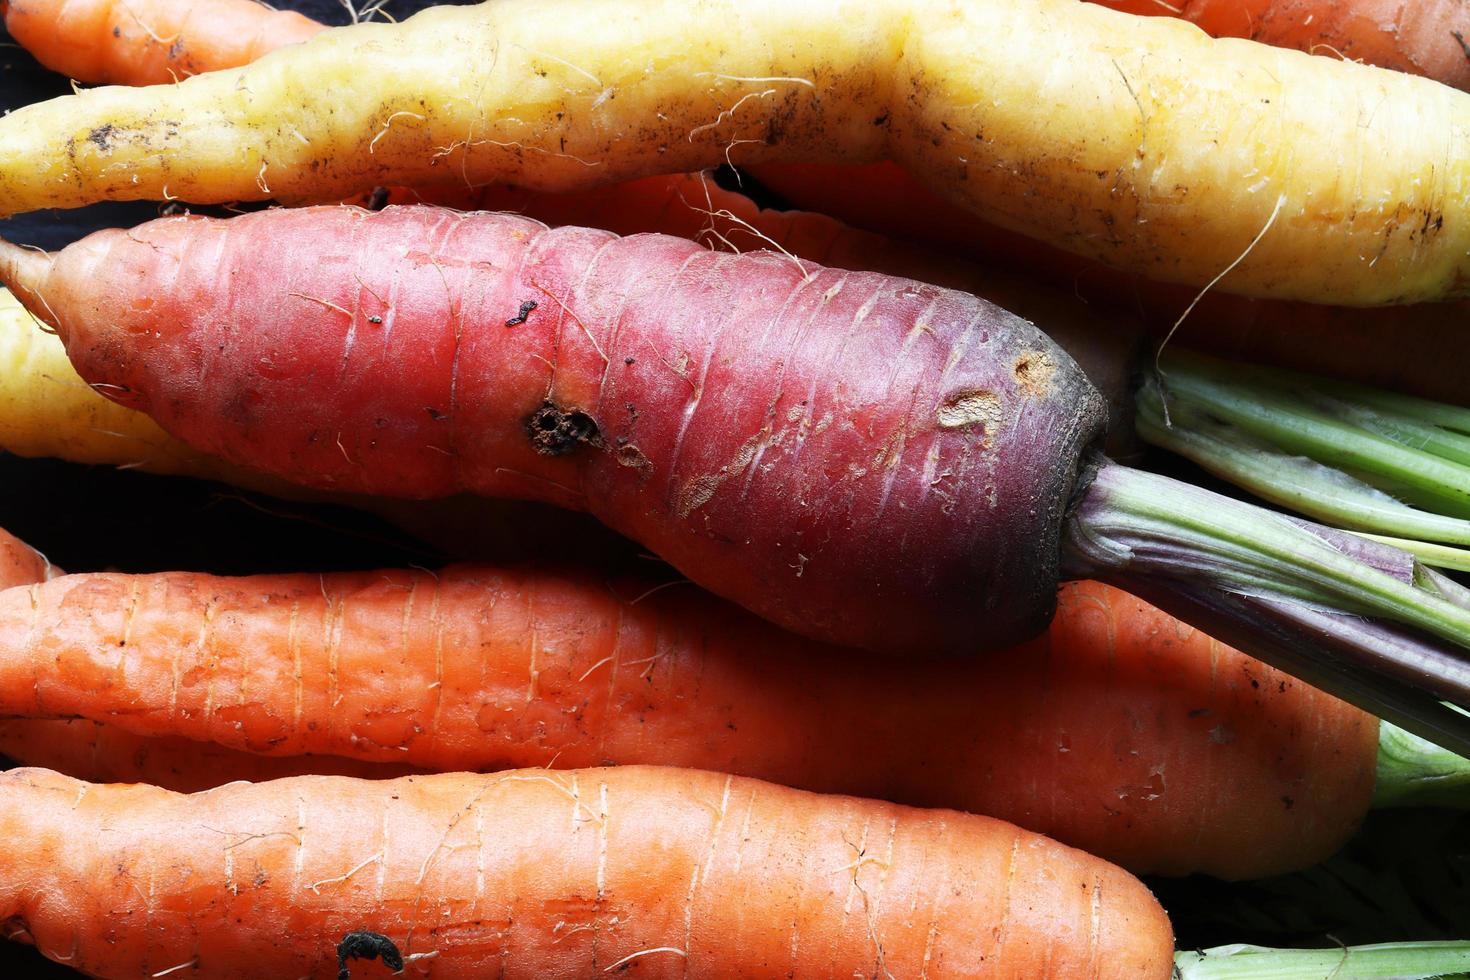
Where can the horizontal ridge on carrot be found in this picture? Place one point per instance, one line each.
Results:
(666, 873)
(899, 477)
(1176, 168)
(488, 668)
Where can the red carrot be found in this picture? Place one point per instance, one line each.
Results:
(898, 479)
(621, 376)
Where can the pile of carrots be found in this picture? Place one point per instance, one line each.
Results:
(890, 745)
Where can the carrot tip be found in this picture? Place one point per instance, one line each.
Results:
(24, 270)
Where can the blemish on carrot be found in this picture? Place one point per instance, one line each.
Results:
(1032, 370)
(968, 408)
(526, 307)
(556, 431)
(368, 946)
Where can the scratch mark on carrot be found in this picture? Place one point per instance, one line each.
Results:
(644, 952)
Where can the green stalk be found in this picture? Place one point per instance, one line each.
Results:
(1401, 961)
(1364, 621)
(1348, 455)
(1415, 772)
(1451, 417)
(1438, 555)
(1294, 425)
(1301, 484)
(1247, 549)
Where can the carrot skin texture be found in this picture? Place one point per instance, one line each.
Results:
(1418, 38)
(20, 564)
(1182, 151)
(149, 42)
(641, 388)
(672, 872)
(104, 753)
(1418, 349)
(1120, 731)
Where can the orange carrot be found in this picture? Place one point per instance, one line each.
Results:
(104, 753)
(1422, 38)
(20, 564)
(1121, 731)
(634, 871)
(149, 42)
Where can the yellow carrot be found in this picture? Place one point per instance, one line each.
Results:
(1138, 141)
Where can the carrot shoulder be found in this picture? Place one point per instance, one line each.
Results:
(667, 873)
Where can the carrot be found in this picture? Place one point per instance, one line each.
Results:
(146, 42)
(592, 372)
(513, 410)
(104, 753)
(95, 751)
(20, 564)
(954, 101)
(1233, 768)
(634, 870)
(46, 410)
(1420, 38)
(1364, 345)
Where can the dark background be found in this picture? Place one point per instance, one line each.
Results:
(1407, 876)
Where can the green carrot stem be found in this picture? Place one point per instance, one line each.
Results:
(1438, 555)
(1402, 961)
(1240, 546)
(1357, 618)
(1301, 484)
(1415, 772)
(1438, 414)
(1293, 424)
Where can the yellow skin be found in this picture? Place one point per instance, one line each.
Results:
(1137, 141)
(47, 410)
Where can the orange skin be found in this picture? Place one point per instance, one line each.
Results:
(1419, 349)
(1121, 731)
(149, 42)
(1414, 36)
(20, 564)
(103, 753)
(641, 871)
